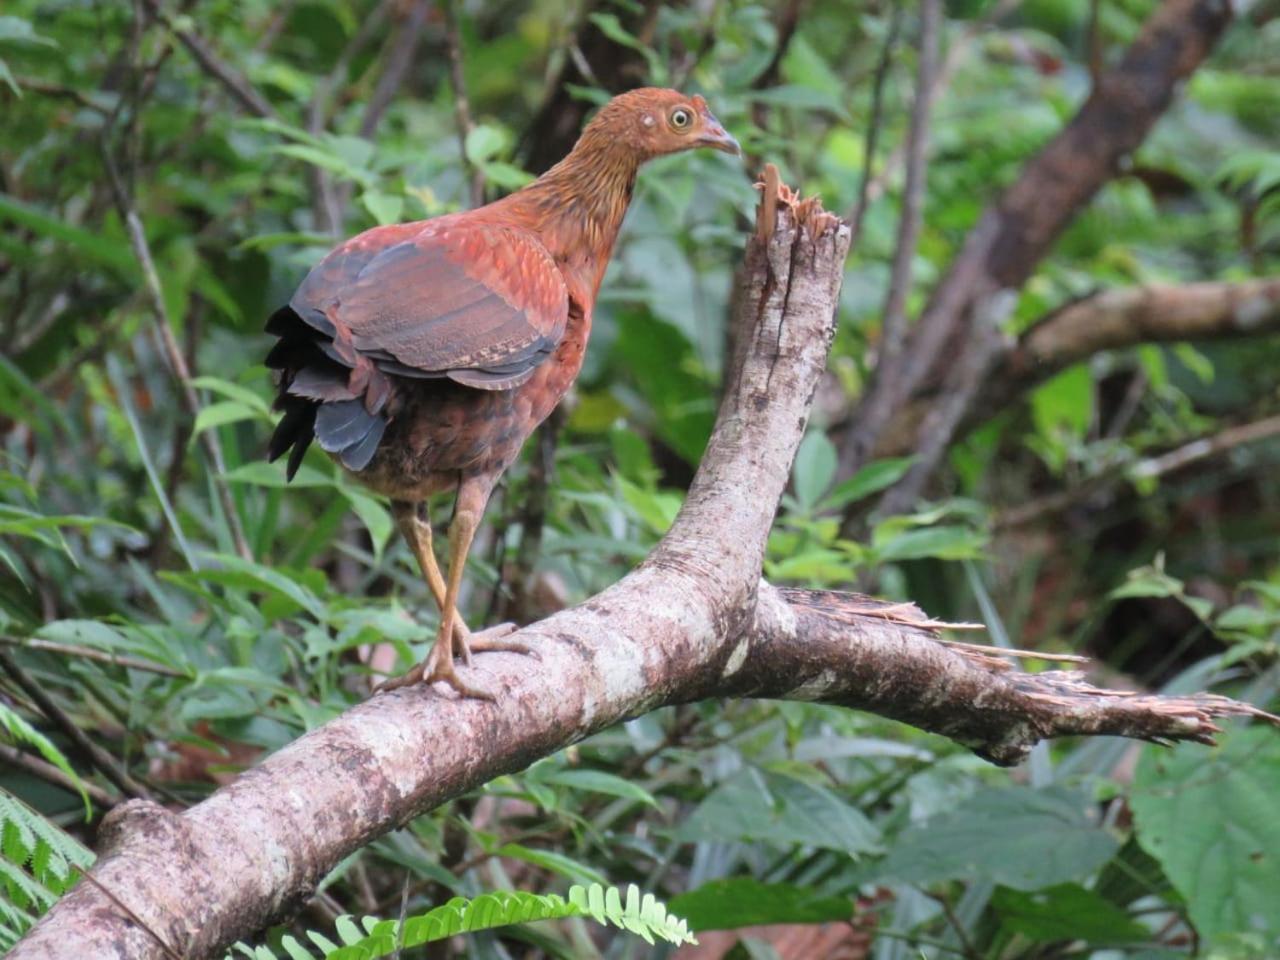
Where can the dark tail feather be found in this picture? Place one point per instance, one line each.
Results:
(358, 457)
(348, 429)
(296, 429)
(317, 399)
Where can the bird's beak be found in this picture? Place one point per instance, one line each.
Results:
(716, 137)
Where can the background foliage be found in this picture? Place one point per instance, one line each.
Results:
(246, 152)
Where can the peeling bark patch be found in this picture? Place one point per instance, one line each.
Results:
(737, 658)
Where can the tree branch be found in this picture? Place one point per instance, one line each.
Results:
(235, 83)
(692, 621)
(595, 60)
(163, 328)
(1110, 320)
(894, 322)
(461, 105)
(1012, 236)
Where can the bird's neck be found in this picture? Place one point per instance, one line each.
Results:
(578, 204)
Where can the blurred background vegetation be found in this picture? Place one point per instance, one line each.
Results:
(164, 597)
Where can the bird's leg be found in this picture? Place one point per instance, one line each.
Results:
(473, 497)
(415, 526)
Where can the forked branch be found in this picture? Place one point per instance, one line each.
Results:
(692, 621)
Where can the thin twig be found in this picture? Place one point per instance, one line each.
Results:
(533, 517)
(90, 653)
(50, 774)
(177, 363)
(956, 54)
(325, 203)
(949, 912)
(1150, 469)
(399, 61)
(872, 136)
(895, 308)
(1094, 31)
(946, 415)
(97, 756)
(235, 83)
(461, 105)
(48, 89)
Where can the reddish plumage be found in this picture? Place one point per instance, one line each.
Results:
(422, 355)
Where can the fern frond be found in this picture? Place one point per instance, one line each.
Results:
(38, 863)
(644, 915)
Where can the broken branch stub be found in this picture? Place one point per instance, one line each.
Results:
(191, 883)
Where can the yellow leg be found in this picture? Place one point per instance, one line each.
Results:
(415, 526)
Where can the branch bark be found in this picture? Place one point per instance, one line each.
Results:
(1011, 237)
(1110, 320)
(693, 621)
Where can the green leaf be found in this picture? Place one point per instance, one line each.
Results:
(383, 207)
(232, 391)
(597, 781)
(375, 517)
(22, 732)
(103, 251)
(244, 574)
(484, 142)
(944, 541)
(17, 32)
(874, 477)
(259, 473)
(1208, 815)
(224, 412)
(1064, 404)
(1016, 836)
(325, 159)
(642, 915)
(814, 469)
(745, 901)
(555, 862)
(10, 81)
(783, 811)
(1066, 912)
(505, 175)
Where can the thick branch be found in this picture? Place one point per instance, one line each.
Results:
(830, 647)
(1011, 237)
(692, 621)
(1111, 320)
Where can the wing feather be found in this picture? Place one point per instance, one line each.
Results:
(455, 299)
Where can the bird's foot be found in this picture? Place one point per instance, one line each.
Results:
(439, 665)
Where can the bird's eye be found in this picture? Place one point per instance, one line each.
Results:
(681, 118)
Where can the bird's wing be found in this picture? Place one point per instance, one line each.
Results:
(478, 302)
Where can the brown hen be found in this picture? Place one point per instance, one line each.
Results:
(422, 355)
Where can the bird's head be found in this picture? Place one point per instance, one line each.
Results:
(654, 121)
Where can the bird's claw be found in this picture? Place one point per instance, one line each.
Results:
(404, 680)
(438, 665)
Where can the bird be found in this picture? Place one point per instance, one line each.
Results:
(422, 355)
